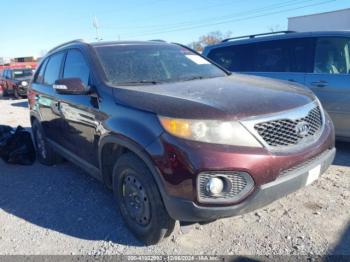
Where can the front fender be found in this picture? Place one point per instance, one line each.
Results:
(134, 132)
(142, 129)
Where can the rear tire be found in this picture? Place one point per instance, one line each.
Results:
(45, 154)
(4, 92)
(139, 200)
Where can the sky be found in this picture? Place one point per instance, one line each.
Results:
(31, 27)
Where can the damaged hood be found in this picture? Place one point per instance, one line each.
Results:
(234, 97)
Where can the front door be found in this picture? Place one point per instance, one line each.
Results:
(80, 113)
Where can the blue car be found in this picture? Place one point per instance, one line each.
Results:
(318, 60)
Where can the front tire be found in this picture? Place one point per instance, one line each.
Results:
(139, 200)
(17, 96)
(45, 154)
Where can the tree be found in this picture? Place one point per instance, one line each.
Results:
(209, 39)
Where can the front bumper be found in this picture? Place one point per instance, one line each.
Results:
(22, 91)
(289, 182)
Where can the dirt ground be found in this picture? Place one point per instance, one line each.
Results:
(61, 210)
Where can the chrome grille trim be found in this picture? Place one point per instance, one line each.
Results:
(279, 127)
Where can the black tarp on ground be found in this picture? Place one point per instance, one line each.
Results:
(16, 146)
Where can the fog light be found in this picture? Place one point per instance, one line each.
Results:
(215, 185)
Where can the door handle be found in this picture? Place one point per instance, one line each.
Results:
(291, 80)
(320, 83)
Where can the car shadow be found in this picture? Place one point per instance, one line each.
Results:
(342, 157)
(343, 246)
(20, 104)
(64, 199)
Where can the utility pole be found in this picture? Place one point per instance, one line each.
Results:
(97, 27)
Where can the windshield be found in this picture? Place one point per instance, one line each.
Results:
(22, 73)
(153, 64)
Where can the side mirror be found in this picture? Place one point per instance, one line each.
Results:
(70, 86)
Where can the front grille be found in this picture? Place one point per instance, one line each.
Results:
(283, 132)
(237, 185)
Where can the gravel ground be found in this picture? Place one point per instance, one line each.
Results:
(61, 210)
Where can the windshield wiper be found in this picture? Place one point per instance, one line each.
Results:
(153, 82)
(193, 78)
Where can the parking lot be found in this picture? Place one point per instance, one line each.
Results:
(61, 210)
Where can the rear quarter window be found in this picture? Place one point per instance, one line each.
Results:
(236, 58)
(39, 75)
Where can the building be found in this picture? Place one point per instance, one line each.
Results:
(328, 21)
(4, 60)
(18, 62)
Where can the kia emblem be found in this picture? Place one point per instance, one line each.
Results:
(302, 129)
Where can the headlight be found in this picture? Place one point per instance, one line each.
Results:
(24, 83)
(210, 131)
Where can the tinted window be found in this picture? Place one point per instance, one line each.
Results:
(19, 73)
(293, 55)
(301, 54)
(39, 77)
(236, 58)
(53, 69)
(332, 56)
(75, 66)
(272, 56)
(133, 64)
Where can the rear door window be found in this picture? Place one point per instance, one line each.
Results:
(301, 55)
(272, 56)
(53, 68)
(332, 55)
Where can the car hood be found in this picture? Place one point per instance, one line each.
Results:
(234, 97)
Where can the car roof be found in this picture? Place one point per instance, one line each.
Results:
(80, 42)
(111, 43)
(271, 37)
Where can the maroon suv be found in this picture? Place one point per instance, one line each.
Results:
(15, 81)
(175, 136)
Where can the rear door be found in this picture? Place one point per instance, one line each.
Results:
(46, 97)
(6, 81)
(330, 80)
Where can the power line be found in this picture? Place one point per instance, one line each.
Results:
(234, 20)
(187, 11)
(237, 14)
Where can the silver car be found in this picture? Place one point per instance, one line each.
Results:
(319, 60)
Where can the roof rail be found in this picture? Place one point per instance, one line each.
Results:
(157, 40)
(253, 36)
(66, 43)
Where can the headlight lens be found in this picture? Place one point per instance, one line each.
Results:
(24, 83)
(210, 131)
